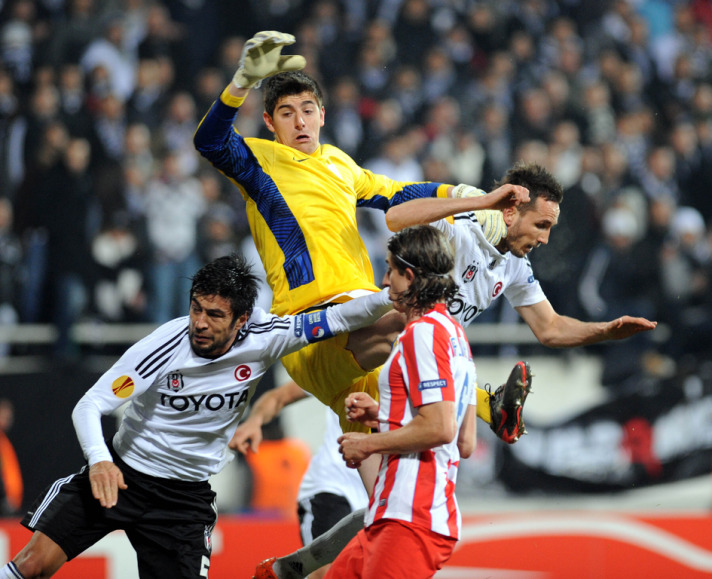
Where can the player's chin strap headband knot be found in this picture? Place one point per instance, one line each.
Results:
(415, 267)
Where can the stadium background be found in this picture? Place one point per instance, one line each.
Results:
(98, 103)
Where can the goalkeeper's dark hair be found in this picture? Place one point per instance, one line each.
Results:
(288, 84)
(229, 277)
(539, 181)
(427, 252)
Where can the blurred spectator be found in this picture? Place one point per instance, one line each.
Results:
(566, 152)
(17, 45)
(659, 176)
(599, 115)
(406, 89)
(534, 116)
(560, 263)
(687, 284)
(373, 70)
(413, 31)
(174, 203)
(175, 133)
(345, 127)
(618, 280)
(487, 29)
(11, 272)
(70, 208)
(209, 82)
(108, 130)
(387, 120)
(493, 132)
(335, 49)
(162, 37)
(43, 110)
(196, 19)
(108, 52)
(73, 31)
(216, 233)
(149, 98)
(12, 133)
(138, 151)
(439, 74)
(73, 100)
(120, 293)
(31, 207)
(689, 161)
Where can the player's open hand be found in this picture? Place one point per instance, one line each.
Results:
(360, 407)
(106, 479)
(627, 326)
(262, 57)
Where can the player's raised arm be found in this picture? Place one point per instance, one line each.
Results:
(429, 209)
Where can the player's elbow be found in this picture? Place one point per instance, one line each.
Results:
(446, 433)
(393, 222)
(466, 449)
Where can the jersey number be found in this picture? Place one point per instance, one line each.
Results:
(204, 566)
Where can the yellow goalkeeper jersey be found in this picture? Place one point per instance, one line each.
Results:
(302, 210)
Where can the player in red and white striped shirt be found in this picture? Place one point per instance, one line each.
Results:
(425, 421)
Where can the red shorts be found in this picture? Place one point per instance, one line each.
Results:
(392, 549)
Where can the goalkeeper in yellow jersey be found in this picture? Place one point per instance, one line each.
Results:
(301, 199)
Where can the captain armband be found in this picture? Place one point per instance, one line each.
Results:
(314, 326)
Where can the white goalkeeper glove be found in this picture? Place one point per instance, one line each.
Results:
(262, 57)
(463, 190)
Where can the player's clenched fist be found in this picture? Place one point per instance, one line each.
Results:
(262, 57)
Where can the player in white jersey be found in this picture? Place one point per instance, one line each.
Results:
(187, 385)
(425, 417)
(487, 266)
(329, 491)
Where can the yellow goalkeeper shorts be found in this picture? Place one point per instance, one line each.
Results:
(330, 372)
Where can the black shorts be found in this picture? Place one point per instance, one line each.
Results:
(169, 523)
(319, 513)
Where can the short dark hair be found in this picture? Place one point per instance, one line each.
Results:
(287, 84)
(229, 277)
(429, 254)
(539, 181)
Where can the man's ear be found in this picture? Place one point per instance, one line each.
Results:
(268, 121)
(508, 214)
(241, 321)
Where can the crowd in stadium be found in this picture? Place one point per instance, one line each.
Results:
(106, 209)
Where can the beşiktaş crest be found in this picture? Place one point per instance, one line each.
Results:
(469, 274)
(175, 381)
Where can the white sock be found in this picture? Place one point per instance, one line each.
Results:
(322, 550)
(9, 571)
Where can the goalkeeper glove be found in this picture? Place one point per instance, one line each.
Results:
(262, 57)
(463, 190)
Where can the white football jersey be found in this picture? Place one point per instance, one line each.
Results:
(483, 273)
(182, 408)
(328, 473)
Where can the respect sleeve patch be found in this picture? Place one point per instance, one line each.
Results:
(314, 325)
(430, 384)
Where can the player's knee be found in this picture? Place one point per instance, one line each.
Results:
(33, 562)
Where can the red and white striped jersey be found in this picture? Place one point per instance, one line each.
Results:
(430, 362)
